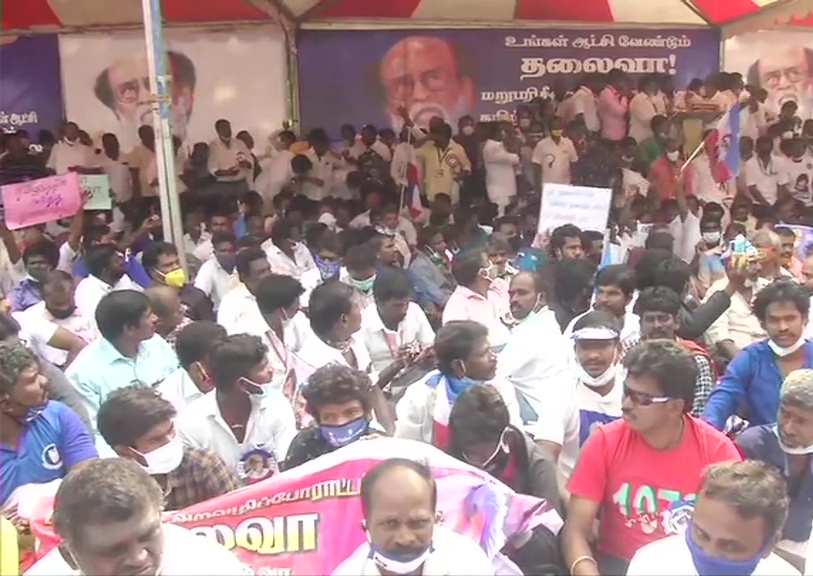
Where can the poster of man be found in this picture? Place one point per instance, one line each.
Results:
(781, 62)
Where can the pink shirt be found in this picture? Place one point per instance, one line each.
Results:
(663, 178)
(466, 304)
(612, 109)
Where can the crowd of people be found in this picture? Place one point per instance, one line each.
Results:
(662, 405)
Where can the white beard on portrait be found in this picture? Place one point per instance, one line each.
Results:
(422, 112)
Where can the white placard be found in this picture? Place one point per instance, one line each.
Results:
(584, 207)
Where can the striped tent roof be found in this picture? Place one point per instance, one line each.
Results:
(43, 15)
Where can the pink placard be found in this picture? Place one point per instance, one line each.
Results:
(40, 201)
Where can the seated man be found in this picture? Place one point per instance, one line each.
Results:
(41, 440)
(787, 446)
(338, 399)
(108, 517)
(737, 519)
(138, 424)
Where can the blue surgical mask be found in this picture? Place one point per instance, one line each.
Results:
(338, 436)
(327, 270)
(708, 565)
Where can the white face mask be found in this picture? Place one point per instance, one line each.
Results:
(792, 451)
(598, 381)
(468, 130)
(489, 272)
(712, 237)
(165, 459)
(396, 566)
(787, 135)
(786, 351)
(673, 155)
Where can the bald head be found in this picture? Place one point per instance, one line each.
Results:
(397, 476)
(164, 301)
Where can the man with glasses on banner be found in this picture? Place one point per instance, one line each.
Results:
(124, 87)
(640, 474)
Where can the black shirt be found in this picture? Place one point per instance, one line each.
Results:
(21, 168)
(197, 303)
(308, 445)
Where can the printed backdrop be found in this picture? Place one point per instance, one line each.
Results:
(362, 77)
(781, 62)
(30, 88)
(237, 76)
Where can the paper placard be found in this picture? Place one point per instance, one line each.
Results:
(97, 186)
(40, 201)
(581, 206)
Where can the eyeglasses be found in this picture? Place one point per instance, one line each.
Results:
(644, 399)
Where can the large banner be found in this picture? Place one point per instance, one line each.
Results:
(237, 76)
(781, 62)
(30, 85)
(308, 520)
(363, 77)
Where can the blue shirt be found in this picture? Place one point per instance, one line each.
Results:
(132, 267)
(53, 443)
(100, 369)
(25, 294)
(760, 443)
(753, 379)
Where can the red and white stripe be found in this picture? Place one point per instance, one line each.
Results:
(55, 14)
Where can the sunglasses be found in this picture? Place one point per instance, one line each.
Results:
(644, 399)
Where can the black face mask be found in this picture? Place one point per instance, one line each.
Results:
(516, 243)
(61, 314)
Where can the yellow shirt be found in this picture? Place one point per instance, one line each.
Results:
(9, 549)
(441, 168)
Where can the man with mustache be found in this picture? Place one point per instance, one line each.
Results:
(427, 77)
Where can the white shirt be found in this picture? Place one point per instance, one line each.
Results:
(77, 324)
(738, 323)
(90, 291)
(585, 102)
(184, 554)
(66, 155)
(415, 411)
(378, 147)
(703, 184)
(536, 371)
(799, 176)
(402, 156)
(226, 157)
(316, 353)
(281, 355)
(121, 180)
(454, 555)
(276, 173)
(500, 166)
(214, 281)
(323, 169)
(238, 306)
(204, 250)
(189, 245)
(10, 273)
(642, 111)
(633, 183)
(179, 390)
(383, 344)
(555, 159)
(765, 178)
(405, 227)
(283, 265)
(753, 124)
(270, 429)
(671, 557)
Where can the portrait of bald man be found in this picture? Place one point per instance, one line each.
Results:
(124, 88)
(429, 77)
(786, 73)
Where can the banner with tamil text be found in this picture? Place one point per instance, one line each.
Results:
(309, 520)
(30, 84)
(364, 76)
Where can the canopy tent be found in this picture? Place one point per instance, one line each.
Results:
(733, 16)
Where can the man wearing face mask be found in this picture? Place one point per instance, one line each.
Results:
(754, 376)
(41, 440)
(360, 263)
(659, 308)
(710, 265)
(737, 518)
(245, 420)
(218, 275)
(568, 420)
(163, 264)
(338, 399)
(664, 173)
(399, 504)
(479, 296)
(552, 157)
(787, 446)
(139, 425)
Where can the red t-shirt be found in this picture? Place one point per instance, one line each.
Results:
(645, 494)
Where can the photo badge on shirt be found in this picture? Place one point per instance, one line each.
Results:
(589, 421)
(51, 458)
(256, 465)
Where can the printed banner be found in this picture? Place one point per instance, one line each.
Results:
(587, 208)
(97, 187)
(240, 77)
(781, 62)
(308, 520)
(40, 201)
(364, 76)
(30, 84)
(803, 244)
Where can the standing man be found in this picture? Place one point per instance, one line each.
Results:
(399, 503)
(501, 168)
(613, 106)
(230, 160)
